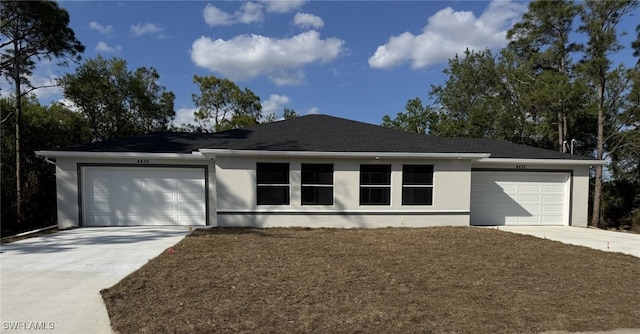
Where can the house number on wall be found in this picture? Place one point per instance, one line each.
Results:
(521, 166)
(143, 161)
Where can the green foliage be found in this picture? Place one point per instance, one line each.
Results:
(635, 45)
(482, 98)
(621, 204)
(416, 118)
(542, 41)
(222, 105)
(543, 34)
(30, 31)
(44, 127)
(599, 22)
(118, 102)
(288, 113)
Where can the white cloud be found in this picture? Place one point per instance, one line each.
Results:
(100, 28)
(449, 32)
(247, 56)
(313, 111)
(184, 116)
(49, 86)
(43, 78)
(275, 104)
(250, 12)
(287, 77)
(69, 104)
(282, 6)
(216, 17)
(305, 20)
(147, 28)
(103, 47)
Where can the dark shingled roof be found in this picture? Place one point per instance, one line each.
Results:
(318, 133)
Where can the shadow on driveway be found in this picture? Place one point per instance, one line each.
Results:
(56, 279)
(104, 236)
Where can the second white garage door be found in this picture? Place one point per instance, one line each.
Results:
(519, 198)
(131, 196)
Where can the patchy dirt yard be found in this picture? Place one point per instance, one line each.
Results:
(395, 280)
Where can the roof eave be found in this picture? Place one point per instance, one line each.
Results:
(146, 155)
(540, 161)
(340, 155)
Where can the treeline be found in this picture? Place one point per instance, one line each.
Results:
(554, 86)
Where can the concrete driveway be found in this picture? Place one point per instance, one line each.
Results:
(52, 283)
(608, 241)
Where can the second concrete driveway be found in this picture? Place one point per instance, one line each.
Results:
(608, 241)
(53, 282)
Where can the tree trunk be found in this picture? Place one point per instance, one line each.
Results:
(18, 92)
(564, 125)
(597, 191)
(560, 134)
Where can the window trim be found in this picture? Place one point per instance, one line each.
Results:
(418, 185)
(373, 186)
(274, 185)
(317, 185)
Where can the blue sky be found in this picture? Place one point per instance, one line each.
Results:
(353, 59)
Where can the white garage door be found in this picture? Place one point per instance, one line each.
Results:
(128, 196)
(519, 198)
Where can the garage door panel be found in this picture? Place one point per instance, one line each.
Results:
(529, 189)
(559, 189)
(553, 209)
(121, 196)
(551, 219)
(507, 188)
(519, 198)
(552, 199)
(529, 198)
(189, 197)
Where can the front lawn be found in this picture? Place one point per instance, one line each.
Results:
(394, 280)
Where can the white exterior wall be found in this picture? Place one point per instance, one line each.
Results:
(67, 183)
(232, 192)
(579, 197)
(236, 186)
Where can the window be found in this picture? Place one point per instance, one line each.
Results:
(272, 183)
(375, 184)
(317, 184)
(417, 185)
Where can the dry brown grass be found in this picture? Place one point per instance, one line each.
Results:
(393, 280)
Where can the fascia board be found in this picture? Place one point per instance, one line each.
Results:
(342, 155)
(539, 161)
(75, 154)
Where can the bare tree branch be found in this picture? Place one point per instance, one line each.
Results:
(6, 118)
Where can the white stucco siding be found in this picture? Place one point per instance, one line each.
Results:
(69, 197)
(67, 193)
(237, 204)
(580, 196)
(579, 184)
